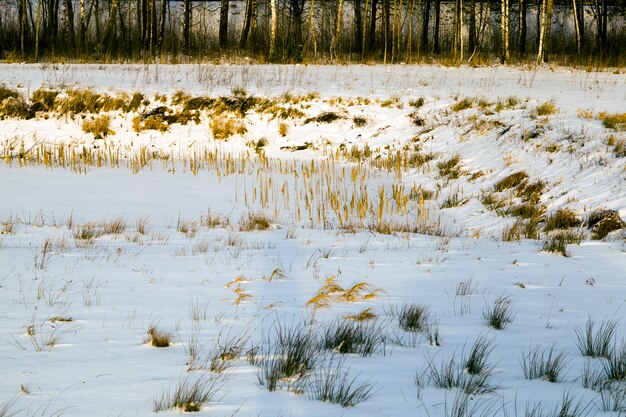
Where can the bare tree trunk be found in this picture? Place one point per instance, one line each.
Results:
(186, 26)
(81, 25)
(37, 24)
(358, 27)
(546, 20)
(335, 44)
(109, 37)
(371, 33)
(69, 12)
(245, 32)
(153, 26)
(386, 37)
(409, 43)
(504, 20)
(425, 21)
(522, 26)
(601, 10)
(436, 48)
(576, 25)
(273, 28)
(223, 32)
(144, 22)
(472, 28)
(22, 18)
(296, 48)
(162, 16)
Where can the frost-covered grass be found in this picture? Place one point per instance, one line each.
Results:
(381, 244)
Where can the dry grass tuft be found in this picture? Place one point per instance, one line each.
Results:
(563, 218)
(616, 121)
(223, 127)
(255, 221)
(547, 108)
(98, 126)
(157, 338)
(510, 181)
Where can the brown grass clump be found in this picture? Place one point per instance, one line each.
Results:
(157, 338)
(283, 129)
(15, 108)
(153, 122)
(79, 101)
(450, 168)
(557, 242)
(616, 121)
(563, 218)
(463, 104)
(98, 126)
(43, 100)
(255, 221)
(6, 92)
(546, 109)
(604, 221)
(510, 181)
(326, 117)
(225, 127)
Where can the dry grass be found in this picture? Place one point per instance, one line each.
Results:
(153, 122)
(547, 108)
(157, 338)
(616, 121)
(223, 127)
(510, 181)
(255, 221)
(463, 104)
(563, 218)
(98, 126)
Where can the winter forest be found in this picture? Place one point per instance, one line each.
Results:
(579, 32)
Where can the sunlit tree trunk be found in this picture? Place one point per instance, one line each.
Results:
(504, 21)
(546, 20)
(37, 24)
(576, 25)
(273, 28)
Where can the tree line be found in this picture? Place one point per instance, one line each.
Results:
(335, 31)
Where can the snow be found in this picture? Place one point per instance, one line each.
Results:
(119, 285)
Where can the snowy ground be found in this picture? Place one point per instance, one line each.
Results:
(74, 313)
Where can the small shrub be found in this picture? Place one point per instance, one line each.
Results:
(98, 126)
(79, 101)
(325, 117)
(413, 317)
(563, 218)
(224, 127)
(43, 100)
(557, 242)
(547, 108)
(255, 221)
(604, 221)
(463, 104)
(283, 129)
(615, 121)
(6, 92)
(188, 396)
(500, 314)
(451, 374)
(157, 338)
(359, 121)
(363, 338)
(450, 168)
(476, 362)
(287, 357)
(151, 122)
(596, 344)
(417, 103)
(547, 364)
(510, 181)
(332, 384)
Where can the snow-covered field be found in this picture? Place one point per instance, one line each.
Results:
(385, 188)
